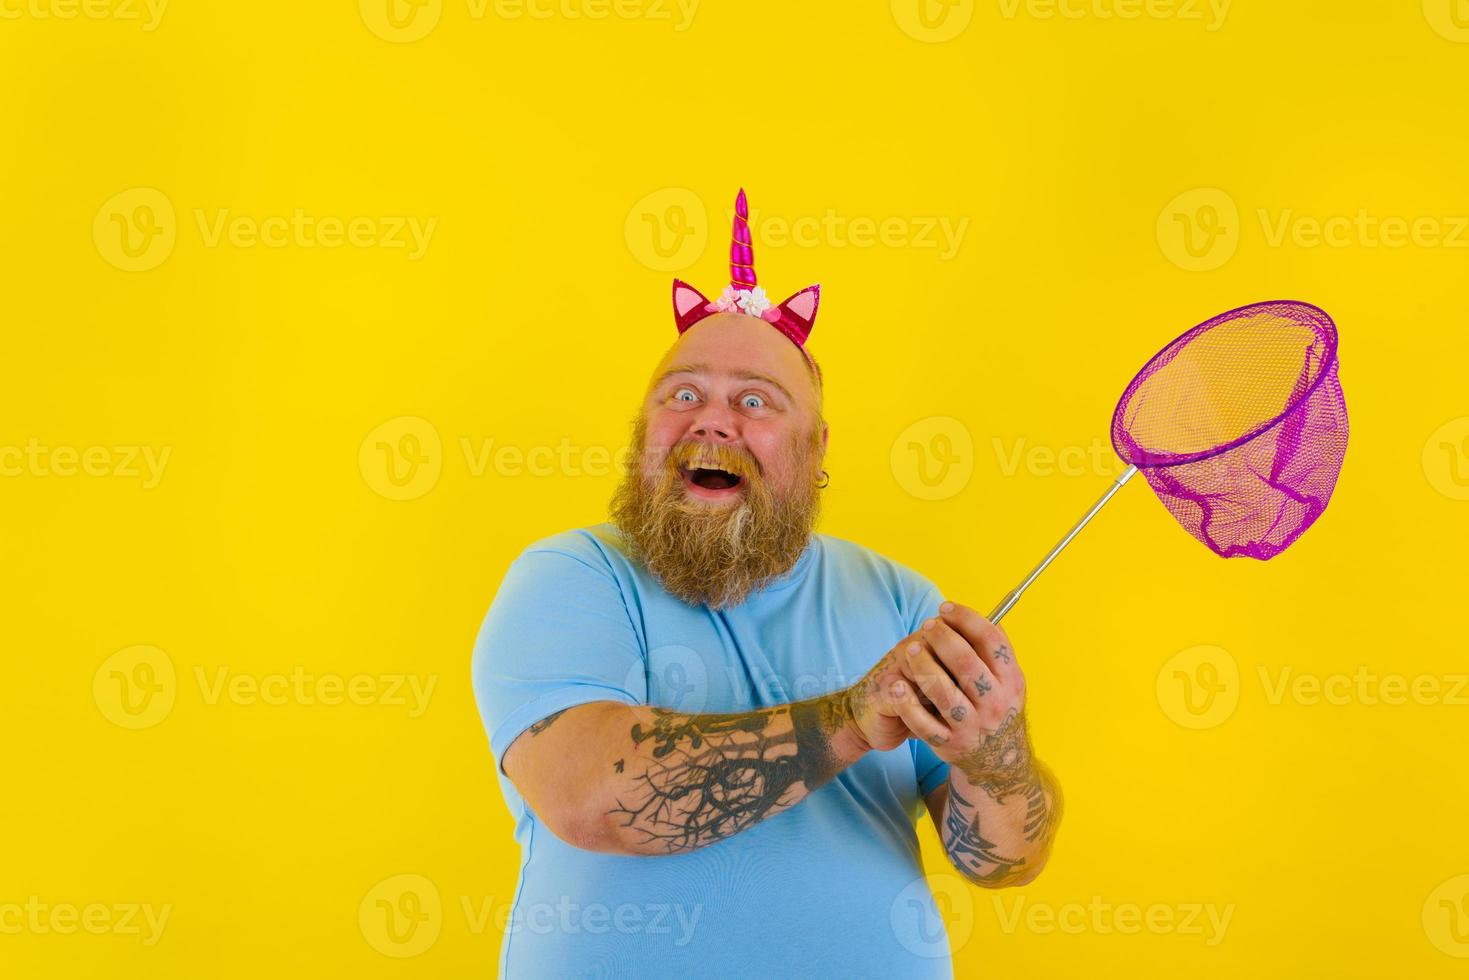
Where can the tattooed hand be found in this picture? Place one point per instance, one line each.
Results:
(963, 664)
(873, 702)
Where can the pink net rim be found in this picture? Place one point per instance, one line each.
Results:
(1313, 316)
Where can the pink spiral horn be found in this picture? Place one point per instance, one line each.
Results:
(741, 255)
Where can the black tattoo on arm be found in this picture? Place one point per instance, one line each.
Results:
(546, 722)
(1002, 762)
(1005, 769)
(695, 779)
(969, 851)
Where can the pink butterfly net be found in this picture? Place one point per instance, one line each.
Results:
(1239, 426)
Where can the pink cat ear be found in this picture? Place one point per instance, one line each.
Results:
(798, 314)
(688, 305)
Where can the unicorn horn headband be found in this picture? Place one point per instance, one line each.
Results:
(795, 317)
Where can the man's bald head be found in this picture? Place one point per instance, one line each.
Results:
(727, 333)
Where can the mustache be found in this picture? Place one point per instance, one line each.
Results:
(712, 456)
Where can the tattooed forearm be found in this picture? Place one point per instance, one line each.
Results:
(695, 779)
(969, 851)
(1018, 807)
(1022, 840)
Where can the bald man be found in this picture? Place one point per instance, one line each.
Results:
(715, 728)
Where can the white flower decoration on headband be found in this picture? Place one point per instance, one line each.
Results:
(752, 302)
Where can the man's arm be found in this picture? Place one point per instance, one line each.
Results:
(634, 779)
(998, 813)
(997, 832)
(644, 780)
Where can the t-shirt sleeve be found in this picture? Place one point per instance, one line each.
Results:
(558, 634)
(932, 771)
(922, 601)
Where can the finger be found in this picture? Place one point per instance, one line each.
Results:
(987, 639)
(962, 661)
(897, 656)
(919, 664)
(897, 694)
(920, 722)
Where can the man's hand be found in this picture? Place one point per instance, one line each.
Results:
(997, 815)
(873, 702)
(964, 666)
(955, 684)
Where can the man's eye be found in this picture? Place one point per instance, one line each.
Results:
(685, 395)
(752, 401)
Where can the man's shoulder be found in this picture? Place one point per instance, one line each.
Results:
(598, 545)
(860, 558)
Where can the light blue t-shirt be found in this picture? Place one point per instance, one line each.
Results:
(831, 887)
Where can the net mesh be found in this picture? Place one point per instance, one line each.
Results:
(1240, 426)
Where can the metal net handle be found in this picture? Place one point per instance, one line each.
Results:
(1014, 595)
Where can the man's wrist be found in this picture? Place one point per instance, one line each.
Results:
(848, 743)
(994, 783)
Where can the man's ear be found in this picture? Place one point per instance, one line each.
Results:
(825, 431)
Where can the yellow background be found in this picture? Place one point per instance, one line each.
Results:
(1076, 150)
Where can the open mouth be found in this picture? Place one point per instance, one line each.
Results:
(711, 483)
